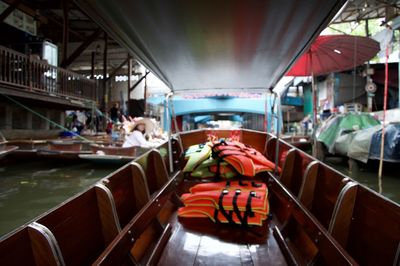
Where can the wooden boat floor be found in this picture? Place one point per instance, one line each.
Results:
(207, 243)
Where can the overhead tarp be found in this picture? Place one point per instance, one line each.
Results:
(365, 144)
(360, 146)
(342, 124)
(356, 145)
(208, 44)
(392, 144)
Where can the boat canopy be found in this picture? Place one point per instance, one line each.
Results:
(208, 45)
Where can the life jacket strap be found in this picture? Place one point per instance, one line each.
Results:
(228, 215)
(243, 220)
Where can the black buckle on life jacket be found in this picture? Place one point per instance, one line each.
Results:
(242, 184)
(254, 184)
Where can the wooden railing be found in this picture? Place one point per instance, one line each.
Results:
(21, 71)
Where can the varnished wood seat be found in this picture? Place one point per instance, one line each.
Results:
(293, 169)
(155, 170)
(83, 226)
(130, 193)
(368, 232)
(31, 245)
(320, 190)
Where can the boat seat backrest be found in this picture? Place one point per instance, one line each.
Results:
(288, 168)
(128, 187)
(339, 226)
(32, 245)
(82, 226)
(306, 192)
(156, 172)
(374, 235)
(293, 170)
(254, 139)
(282, 151)
(328, 185)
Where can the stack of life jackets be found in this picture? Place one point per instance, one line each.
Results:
(234, 202)
(246, 160)
(200, 164)
(225, 159)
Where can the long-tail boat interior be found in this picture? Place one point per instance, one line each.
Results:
(280, 207)
(316, 216)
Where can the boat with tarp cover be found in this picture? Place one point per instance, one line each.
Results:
(309, 214)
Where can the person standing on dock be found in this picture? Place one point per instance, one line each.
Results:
(115, 113)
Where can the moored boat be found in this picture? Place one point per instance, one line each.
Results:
(62, 150)
(27, 149)
(6, 149)
(114, 150)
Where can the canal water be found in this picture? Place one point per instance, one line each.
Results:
(28, 189)
(367, 174)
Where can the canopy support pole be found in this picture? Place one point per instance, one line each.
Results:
(398, 67)
(384, 121)
(266, 113)
(168, 120)
(177, 130)
(314, 99)
(278, 103)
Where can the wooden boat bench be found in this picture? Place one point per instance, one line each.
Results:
(83, 226)
(155, 170)
(143, 239)
(130, 192)
(300, 234)
(31, 245)
(293, 170)
(360, 210)
(320, 191)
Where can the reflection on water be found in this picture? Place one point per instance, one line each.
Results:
(368, 175)
(29, 189)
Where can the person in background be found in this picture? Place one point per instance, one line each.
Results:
(115, 113)
(137, 137)
(76, 125)
(306, 122)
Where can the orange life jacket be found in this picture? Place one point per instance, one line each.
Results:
(227, 206)
(229, 200)
(230, 185)
(217, 216)
(246, 160)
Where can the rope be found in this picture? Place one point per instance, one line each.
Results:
(43, 117)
